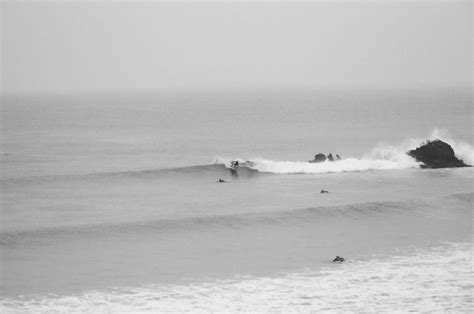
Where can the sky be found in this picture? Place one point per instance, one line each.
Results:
(82, 46)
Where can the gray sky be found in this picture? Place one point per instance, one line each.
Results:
(98, 45)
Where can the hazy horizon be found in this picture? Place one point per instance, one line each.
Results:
(88, 47)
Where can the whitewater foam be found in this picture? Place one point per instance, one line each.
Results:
(462, 149)
(383, 157)
(384, 162)
(436, 279)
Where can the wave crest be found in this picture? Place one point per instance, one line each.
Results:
(385, 161)
(382, 157)
(345, 165)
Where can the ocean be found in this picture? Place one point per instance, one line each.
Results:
(110, 202)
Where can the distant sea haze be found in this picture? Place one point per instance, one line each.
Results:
(113, 203)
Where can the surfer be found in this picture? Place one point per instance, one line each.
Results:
(221, 181)
(339, 259)
(234, 164)
(324, 191)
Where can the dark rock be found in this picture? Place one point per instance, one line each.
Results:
(436, 154)
(339, 259)
(319, 158)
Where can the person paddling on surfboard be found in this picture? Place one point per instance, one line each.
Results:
(234, 164)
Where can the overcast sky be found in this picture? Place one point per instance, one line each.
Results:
(106, 46)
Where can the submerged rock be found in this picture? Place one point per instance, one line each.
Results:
(436, 154)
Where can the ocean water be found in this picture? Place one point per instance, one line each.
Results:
(111, 203)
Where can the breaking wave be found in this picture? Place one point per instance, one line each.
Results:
(382, 284)
(345, 165)
(382, 157)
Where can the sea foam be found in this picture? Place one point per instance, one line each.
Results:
(383, 157)
(437, 279)
(346, 165)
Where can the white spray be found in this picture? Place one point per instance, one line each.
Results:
(382, 157)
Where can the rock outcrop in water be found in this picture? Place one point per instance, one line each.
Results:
(321, 158)
(436, 154)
